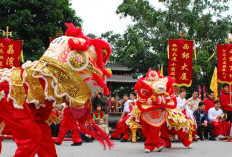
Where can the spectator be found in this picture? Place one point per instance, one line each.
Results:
(203, 123)
(215, 114)
(112, 104)
(209, 102)
(176, 91)
(97, 115)
(132, 99)
(103, 126)
(193, 101)
(99, 99)
(226, 101)
(181, 101)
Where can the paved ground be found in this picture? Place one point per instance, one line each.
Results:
(200, 149)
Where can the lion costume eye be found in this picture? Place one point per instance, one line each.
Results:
(144, 92)
(77, 61)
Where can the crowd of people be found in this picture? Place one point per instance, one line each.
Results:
(212, 117)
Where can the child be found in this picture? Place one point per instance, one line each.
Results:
(103, 126)
(97, 115)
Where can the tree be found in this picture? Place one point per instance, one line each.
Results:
(34, 21)
(146, 40)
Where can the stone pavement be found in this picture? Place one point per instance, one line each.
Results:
(200, 149)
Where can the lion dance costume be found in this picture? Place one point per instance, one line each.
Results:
(155, 110)
(71, 68)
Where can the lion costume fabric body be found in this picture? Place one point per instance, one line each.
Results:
(71, 68)
(156, 110)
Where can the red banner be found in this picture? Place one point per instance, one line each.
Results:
(180, 61)
(10, 51)
(224, 64)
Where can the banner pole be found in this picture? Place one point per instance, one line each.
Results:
(230, 94)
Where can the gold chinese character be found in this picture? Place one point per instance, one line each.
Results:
(230, 68)
(224, 54)
(186, 46)
(173, 64)
(174, 45)
(224, 62)
(223, 69)
(172, 73)
(224, 77)
(10, 61)
(230, 58)
(174, 78)
(185, 55)
(10, 50)
(183, 77)
(1, 45)
(224, 66)
(174, 49)
(173, 68)
(1, 51)
(184, 67)
(174, 59)
(223, 73)
(230, 75)
(223, 50)
(224, 58)
(1, 63)
(1, 57)
(174, 54)
(231, 51)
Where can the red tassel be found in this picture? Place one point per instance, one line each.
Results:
(99, 45)
(101, 83)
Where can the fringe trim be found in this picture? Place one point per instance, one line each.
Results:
(5, 74)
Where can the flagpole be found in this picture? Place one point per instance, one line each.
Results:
(230, 94)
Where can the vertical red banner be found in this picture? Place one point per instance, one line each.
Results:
(224, 64)
(180, 61)
(10, 51)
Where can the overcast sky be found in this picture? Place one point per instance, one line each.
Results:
(99, 15)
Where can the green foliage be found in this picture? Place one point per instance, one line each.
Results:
(144, 44)
(34, 21)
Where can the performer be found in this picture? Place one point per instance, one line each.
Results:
(28, 93)
(155, 94)
(68, 122)
(122, 130)
(32, 135)
(221, 128)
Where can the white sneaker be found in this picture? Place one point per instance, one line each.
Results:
(147, 150)
(190, 146)
(221, 136)
(196, 136)
(160, 148)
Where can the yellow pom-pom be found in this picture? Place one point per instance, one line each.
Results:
(109, 71)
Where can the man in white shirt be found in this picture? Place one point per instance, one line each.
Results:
(220, 128)
(193, 101)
